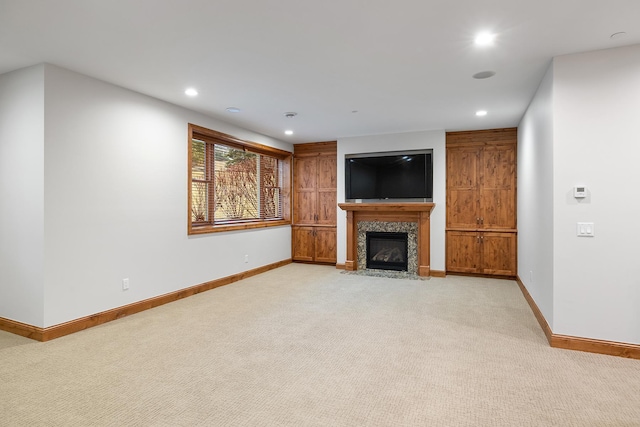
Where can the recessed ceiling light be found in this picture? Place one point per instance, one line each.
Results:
(485, 39)
(233, 109)
(481, 113)
(288, 132)
(484, 75)
(290, 114)
(191, 92)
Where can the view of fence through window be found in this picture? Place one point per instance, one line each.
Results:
(231, 184)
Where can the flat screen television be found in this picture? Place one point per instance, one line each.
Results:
(406, 175)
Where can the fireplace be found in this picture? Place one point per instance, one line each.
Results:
(412, 218)
(387, 251)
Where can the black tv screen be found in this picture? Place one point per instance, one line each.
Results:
(397, 175)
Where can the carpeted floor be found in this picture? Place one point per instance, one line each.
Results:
(304, 345)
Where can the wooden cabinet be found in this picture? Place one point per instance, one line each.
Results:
(314, 244)
(463, 183)
(481, 184)
(315, 189)
(481, 202)
(482, 252)
(314, 202)
(498, 187)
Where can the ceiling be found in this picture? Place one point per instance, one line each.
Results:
(347, 67)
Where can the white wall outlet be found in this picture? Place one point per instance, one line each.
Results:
(125, 284)
(246, 258)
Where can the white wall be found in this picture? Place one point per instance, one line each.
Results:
(21, 195)
(115, 200)
(535, 198)
(597, 144)
(395, 142)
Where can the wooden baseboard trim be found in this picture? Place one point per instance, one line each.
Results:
(57, 331)
(341, 266)
(589, 345)
(611, 348)
(488, 276)
(22, 329)
(536, 311)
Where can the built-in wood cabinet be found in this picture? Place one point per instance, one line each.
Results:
(482, 252)
(314, 202)
(481, 202)
(314, 244)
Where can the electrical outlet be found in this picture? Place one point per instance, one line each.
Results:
(125, 284)
(246, 258)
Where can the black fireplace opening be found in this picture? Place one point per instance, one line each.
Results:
(387, 251)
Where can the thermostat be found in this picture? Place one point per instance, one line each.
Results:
(579, 192)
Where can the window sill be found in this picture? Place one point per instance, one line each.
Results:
(206, 229)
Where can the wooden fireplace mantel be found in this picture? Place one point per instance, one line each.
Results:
(389, 212)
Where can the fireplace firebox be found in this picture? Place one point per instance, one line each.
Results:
(387, 251)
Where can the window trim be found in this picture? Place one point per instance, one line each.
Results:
(212, 136)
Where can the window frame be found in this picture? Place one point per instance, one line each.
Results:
(212, 136)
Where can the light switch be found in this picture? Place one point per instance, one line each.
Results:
(585, 229)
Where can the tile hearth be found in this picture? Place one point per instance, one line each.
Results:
(386, 274)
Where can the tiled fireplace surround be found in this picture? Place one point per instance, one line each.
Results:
(410, 218)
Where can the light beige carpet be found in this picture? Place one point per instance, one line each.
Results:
(305, 345)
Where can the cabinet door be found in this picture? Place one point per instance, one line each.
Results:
(327, 202)
(325, 244)
(462, 187)
(327, 172)
(327, 206)
(498, 253)
(497, 190)
(303, 243)
(305, 173)
(305, 207)
(305, 192)
(463, 251)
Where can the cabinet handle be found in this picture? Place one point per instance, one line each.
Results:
(477, 220)
(481, 220)
(478, 238)
(481, 239)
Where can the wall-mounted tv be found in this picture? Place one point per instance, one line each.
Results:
(406, 175)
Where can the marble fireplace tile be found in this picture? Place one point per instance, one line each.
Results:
(411, 228)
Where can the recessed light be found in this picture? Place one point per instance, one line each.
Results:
(484, 75)
(481, 113)
(290, 114)
(485, 39)
(233, 109)
(288, 132)
(191, 92)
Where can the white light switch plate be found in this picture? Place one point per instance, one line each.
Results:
(585, 229)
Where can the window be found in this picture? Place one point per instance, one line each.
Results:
(235, 184)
